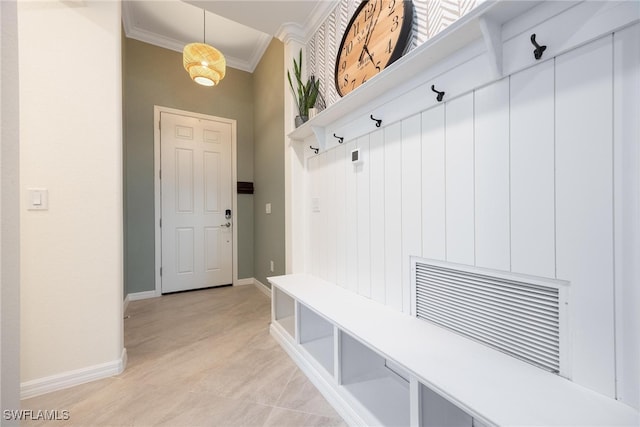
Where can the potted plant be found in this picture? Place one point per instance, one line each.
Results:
(305, 95)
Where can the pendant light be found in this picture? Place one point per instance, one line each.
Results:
(205, 64)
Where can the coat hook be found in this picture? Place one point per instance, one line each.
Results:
(340, 138)
(315, 150)
(537, 52)
(440, 94)
(378, 121)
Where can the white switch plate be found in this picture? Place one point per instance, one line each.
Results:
(271, 266)
(267, 208)
(315, 204)
(37, 199)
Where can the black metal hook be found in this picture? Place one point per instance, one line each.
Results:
(440, 94)
(315, 150)
(340, 138)
(537, 52)
(378, 121)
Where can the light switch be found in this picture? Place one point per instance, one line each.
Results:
(37, 199)
(315, 204)
(267, 208)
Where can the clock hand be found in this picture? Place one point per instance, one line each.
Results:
(369, 33)
(371, 58)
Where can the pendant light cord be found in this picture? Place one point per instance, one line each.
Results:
(204, 27)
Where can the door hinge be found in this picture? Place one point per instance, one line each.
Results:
(160, 271)
(159, 125)
(160, 222)
(160, 173)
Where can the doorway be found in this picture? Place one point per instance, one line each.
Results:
(195, 203)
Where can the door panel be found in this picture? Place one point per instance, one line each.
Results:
(196, 191)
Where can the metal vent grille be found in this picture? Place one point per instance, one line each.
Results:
(519, 317)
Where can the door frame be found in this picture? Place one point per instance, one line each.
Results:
(157, 110)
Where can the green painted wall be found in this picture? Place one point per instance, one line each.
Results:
(269, 230)
(155, 76)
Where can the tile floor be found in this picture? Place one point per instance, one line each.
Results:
(202, 358)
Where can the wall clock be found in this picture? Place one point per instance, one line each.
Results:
(377, 35)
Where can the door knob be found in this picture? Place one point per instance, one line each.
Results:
(228, 224)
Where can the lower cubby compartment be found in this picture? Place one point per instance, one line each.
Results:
(316, 336)
(380, 388)
(436, 411)
(284, 311)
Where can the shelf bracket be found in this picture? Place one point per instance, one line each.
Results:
(319, 133)
(492, 35)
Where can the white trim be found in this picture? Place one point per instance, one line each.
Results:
(72, 378)
(244, 282)
(142, 295)
(157, 109)
(125, 303)
(262, 287)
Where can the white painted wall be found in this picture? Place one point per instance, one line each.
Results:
(517, 175)
(70, 126)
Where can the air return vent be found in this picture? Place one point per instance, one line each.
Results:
(518, 315)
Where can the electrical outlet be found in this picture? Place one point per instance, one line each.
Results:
(267, 208)
(271, 266)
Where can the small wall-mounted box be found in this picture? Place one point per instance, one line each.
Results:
(355, 156)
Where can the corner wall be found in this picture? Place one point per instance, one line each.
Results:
(269, 229)
(70, 144)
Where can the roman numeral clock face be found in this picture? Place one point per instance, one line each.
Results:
(376, 36)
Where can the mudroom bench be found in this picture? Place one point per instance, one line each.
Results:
(378, 366)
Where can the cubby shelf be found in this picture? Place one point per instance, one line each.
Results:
(457, 378)
(316, 336)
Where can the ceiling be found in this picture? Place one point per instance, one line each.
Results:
(240, 29)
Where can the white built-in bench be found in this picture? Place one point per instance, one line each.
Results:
(377, 366)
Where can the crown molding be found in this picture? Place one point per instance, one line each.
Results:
(301, 33)
(291, 31)
(133, 32)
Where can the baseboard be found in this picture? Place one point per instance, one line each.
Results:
(125, 304)
(262, 287)
(142, 295)
(244, 282)
(72, 378)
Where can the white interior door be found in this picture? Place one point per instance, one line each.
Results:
(197, 244)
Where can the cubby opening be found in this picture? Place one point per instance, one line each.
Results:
(285, 311)
(436, 411)
(316, 336)
(378, 385)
